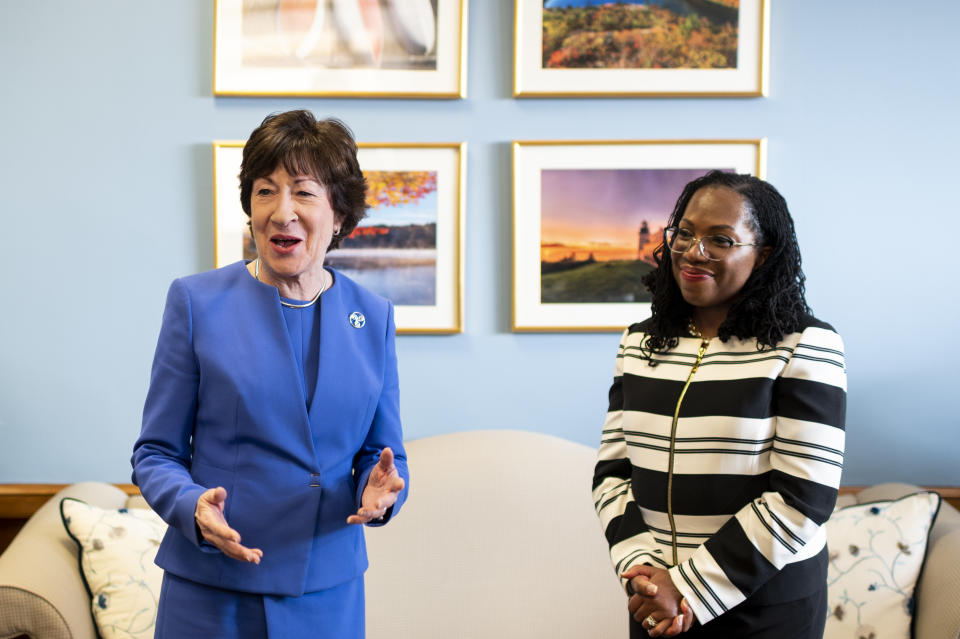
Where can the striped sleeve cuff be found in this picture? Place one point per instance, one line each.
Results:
(705, 586)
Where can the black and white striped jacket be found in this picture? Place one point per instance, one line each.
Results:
(750, 471)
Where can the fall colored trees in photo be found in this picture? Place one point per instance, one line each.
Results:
(641, 36)
(392, 188)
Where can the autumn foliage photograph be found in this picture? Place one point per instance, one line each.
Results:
(393, 251)
(640, 34)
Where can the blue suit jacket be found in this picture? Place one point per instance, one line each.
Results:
(226, 408)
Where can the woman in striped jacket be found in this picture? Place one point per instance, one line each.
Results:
(723, 445)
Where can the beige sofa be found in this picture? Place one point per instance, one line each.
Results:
(498, 539)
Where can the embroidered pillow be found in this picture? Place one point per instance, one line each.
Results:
(117, 548)
(876, 555)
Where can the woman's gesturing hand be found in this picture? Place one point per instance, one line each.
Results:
(383, 487)
(658, 600)
(213, 526)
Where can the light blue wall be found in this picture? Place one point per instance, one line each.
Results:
(106, 121)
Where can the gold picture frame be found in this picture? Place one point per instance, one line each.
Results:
(561, 50)
(340, 48)
(587, 216)
(410, 247)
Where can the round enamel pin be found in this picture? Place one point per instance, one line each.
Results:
(357, 320)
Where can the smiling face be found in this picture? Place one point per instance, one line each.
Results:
(713, 286)
(292, 223)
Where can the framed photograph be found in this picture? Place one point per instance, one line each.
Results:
(345, 48)
(655, 48)
(587, 217)
(408, 249)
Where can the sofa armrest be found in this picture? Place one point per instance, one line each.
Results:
(41, 590)
(938, 593)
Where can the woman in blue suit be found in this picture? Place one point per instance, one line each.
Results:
(272, 426)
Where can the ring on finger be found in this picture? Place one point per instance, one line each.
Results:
(650, 621)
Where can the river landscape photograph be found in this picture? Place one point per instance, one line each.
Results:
(393, 252)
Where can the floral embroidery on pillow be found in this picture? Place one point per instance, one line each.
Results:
(876, 554)
(117, 549)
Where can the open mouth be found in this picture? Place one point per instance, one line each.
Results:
(284, 242)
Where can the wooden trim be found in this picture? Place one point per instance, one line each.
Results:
(950, 494)
(20, 501)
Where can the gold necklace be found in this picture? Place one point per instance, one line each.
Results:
(693, 330)
(323, 287)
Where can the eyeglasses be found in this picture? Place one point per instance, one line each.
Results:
(712, 247)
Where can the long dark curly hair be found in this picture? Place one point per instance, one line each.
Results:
(771, 303)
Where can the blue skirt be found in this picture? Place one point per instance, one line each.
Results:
(187, 610)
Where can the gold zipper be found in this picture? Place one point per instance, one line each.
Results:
(673, 443)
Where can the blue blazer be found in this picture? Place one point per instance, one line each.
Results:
(226, 408)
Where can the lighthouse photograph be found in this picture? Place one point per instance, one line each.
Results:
(599, 228)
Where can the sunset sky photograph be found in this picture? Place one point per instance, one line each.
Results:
(600, 211)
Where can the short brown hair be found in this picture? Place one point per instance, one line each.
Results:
(303, 145)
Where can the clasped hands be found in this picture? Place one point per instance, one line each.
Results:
(383, 487)
(656, 598)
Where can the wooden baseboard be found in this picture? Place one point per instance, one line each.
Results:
(950, 494)
(19, 501)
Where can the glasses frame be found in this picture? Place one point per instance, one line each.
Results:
(698, 242)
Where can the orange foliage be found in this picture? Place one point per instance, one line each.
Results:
(644, 38)
(362, 231)
(393, 188)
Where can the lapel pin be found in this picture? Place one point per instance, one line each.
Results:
(357, 320)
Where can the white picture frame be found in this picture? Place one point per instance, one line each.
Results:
(550, 294)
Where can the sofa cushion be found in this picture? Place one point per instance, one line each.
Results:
(499, 539)
(877, 551)
(117, 549)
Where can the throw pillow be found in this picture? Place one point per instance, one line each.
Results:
(117, 549)
(876, 555)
